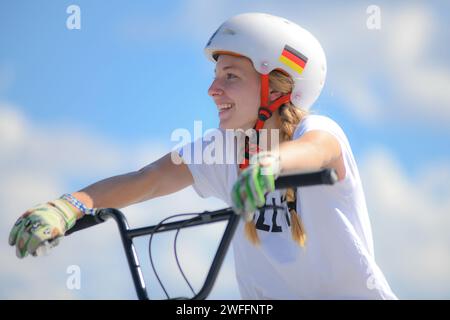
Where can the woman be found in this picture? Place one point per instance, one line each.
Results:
(269, 71)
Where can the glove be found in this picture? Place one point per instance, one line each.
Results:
(42, 225)
(249, 191)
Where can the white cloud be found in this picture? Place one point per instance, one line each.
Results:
(12, 126)
(410, 221)
(35, 166)
(422, 80)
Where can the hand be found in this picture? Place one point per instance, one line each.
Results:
(249, 191)
(41, 225)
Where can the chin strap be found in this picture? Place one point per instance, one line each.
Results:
(265, 111)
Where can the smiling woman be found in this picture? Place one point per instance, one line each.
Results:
(314, 243)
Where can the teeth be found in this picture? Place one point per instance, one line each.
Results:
(225, 106)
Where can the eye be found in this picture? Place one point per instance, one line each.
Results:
(231, 76)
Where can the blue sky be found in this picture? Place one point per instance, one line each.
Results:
(101, 72)
(108, 97)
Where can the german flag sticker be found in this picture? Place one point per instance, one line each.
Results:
(293, 59)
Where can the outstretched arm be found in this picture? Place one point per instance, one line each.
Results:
(46, 223)
(159, 178)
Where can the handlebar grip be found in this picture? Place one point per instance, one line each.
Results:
(85, 222)
(325, 176)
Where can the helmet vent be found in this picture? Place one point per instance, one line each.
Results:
(228, 31)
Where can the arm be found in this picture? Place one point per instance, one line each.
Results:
(159, 178)
(47, 222)
(313, 151)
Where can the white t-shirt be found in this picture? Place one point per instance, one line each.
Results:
(337, 261)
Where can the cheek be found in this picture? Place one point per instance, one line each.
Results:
(246, 96)
(250, 99)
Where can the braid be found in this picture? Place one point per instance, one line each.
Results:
(290, 116)
(251, 234)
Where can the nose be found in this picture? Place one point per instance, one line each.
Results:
(215, 89)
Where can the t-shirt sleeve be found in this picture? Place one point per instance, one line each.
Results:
(209, 178)
(202, 185)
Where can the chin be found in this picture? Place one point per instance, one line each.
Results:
(229, 127)
(225, 125)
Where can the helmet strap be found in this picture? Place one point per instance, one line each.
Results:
(265, 111)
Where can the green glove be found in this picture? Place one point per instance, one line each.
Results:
(42, 225)
(249, 191)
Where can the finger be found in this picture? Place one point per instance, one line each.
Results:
(40, 236)
(44, 247)
(17, 226)
(257, 190)
(267, 180)
(15, 231)
(21, 243)
(42, 250)
(236, 198)
(249, 202)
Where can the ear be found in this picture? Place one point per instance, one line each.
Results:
(274, 95)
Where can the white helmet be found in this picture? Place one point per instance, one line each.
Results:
(272, 42)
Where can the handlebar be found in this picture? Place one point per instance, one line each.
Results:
(326, 176)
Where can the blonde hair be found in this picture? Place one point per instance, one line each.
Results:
(290, 116)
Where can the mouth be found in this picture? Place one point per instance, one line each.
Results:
(225, 107)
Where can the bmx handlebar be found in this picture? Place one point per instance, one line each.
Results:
(326, 176)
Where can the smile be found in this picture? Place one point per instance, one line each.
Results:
(225, 106)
